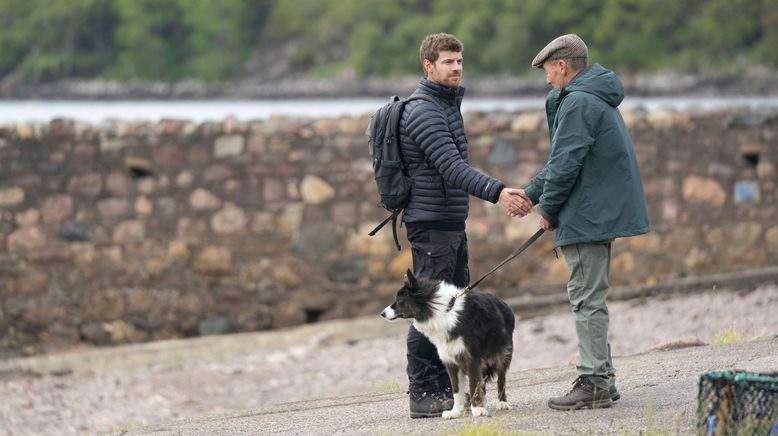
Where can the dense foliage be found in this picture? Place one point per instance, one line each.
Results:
(227, 39)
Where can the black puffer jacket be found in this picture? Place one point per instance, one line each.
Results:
(435, 148)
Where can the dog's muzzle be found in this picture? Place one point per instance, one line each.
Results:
(389, 313)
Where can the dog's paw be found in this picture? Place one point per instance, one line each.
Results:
(480, 411)
(503, 405)
(451, 414)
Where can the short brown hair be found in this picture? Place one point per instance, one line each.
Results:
(437, 42)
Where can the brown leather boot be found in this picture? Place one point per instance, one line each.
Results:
(584, 394)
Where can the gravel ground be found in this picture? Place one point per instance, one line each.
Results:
(109, 399)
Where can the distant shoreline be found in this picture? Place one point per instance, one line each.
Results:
(215, 110)
(754, 82)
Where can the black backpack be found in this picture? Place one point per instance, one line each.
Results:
(391, 174)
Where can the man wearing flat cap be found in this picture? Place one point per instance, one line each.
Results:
(591, 193)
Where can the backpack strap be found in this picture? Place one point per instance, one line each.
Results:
(393, 219)
(423, 96)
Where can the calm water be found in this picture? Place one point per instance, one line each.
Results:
(14, 111)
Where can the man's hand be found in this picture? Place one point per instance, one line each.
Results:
(515, 201)
(545, 225)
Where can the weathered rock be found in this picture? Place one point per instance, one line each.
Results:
(315, 190)
(213, 260)
(648, 243)
(703, 190)
(141, 301)
(113, 208)
(201, 199)
(273, 190)
(528, 122)
(118, 184)
(57, 208)
(503, 154)
(218, 325)
(623, 263)
(168, 156)
(228, 146)
(31, 283)
(119, 332)
(217, 172)
(288, 314)
(360, 242)
(191, 230)
(103, 305)
(74, 232)
(400, 264)
(44, 315)
(89, 184)
(263, 222)
(184, 179)
(771, 238)
(131, 231)
(557, 270)
(348, 270)
(11, 196)
(316, 239)
(290, 218)
(143, 206)
(178, 250)
(285, 276)
(27, 218)
(666, 119)
(765, 170)
(26, 239)
(231, 219)
(95, 333)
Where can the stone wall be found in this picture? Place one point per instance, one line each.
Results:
(125, 232)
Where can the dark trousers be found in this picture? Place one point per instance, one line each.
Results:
(440, 255)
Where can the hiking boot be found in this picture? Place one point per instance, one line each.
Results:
(429, 404)
(584, 394)
(615, 395)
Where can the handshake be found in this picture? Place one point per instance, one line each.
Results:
(515, 201)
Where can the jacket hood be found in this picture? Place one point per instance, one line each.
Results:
(598, 81)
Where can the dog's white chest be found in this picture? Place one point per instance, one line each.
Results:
(448, 349)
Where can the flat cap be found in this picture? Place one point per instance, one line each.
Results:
(564, 47)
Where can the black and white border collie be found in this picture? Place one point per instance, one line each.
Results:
(474, 336)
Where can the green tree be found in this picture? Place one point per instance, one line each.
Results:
(152, 40)
(765, 50)
(722, 31)
(41, 40)
(217, 37)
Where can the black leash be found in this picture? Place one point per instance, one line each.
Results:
(515, 253)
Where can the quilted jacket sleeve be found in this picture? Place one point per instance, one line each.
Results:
(429, 128)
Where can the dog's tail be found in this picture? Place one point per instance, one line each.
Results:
(489, 372)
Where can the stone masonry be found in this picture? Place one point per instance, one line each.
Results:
(126, 232)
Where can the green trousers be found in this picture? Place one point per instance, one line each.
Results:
(587, 289)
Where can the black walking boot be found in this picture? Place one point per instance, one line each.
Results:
(429, 404)
(584, 394)
(615, 395)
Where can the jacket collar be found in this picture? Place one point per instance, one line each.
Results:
(451, 95)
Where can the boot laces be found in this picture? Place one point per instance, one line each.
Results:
(577, 384)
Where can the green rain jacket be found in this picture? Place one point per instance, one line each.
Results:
(590, 189)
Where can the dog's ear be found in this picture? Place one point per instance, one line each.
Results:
(410, 280)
